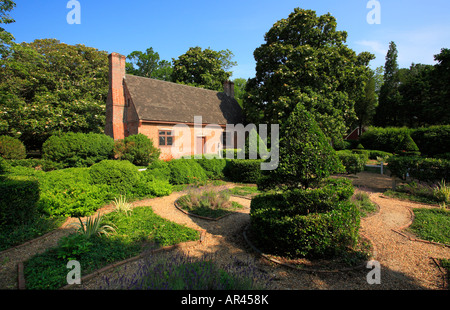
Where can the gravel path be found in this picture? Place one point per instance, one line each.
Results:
(405, 264)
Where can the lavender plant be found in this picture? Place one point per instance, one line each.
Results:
(181, 272)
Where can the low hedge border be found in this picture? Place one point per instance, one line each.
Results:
(313, 270)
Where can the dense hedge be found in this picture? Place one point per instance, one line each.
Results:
(353, 163)
(392, 140)
(121, 176)
(422, 169)
(78, 149)
(243, 170)
(137, 149)
(432, 140)
(12, 148)
(214, 167)
(18, 200)
(186, 171)
(317, 222)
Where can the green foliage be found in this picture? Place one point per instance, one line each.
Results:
(139, 150)
(159, 169)
(120, 176)
(93, 227)
(305, 60)
(353, 163)
(48, 270)
(70, 192)
(18, 200)
(419, 168)
(47, 86)
(306, 156)
(214, 167)
(317, 222)
(12, 148)
(4, 166)
(243, 170)
(203, 68)
(432, 225)
(186, 171)
(432, 140)
(389, 139)
(78, 149)
(73, 246)
(149, 65)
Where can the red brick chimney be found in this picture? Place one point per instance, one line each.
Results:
(115, 102)
(228, 88)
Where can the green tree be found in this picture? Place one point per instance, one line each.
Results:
(389, 98)
(239, 90)
(6, 38)
(365, 107)
(48, 87)
(149, 65)
(441, 93)
(203, 68)
(306, 156)
(305, 60)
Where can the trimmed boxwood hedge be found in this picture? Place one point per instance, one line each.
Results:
(186, 171)
(18, 199)
(319, 222)
(243, 170)
(422, 169)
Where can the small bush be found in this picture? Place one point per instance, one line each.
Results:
(306, 222)
(120, 176)
(18, 200)
(243, 170)
(279, 230)
(43, 164)
(12, 148)
(353, 163)
(137, 149)
(78, 149)
(186, 171)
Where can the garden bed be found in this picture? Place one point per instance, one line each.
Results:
(207, 203)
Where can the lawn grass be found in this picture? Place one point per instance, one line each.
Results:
(364, 204)
(432, 225)
(142, 226)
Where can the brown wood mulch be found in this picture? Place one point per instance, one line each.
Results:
(406, 263)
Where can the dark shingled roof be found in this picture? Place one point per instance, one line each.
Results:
(157, 100)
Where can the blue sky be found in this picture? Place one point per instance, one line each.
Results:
(419, 28)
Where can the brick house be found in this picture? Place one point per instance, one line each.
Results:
(181, 120)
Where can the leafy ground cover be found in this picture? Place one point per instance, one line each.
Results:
(432, 224)
(133, 231)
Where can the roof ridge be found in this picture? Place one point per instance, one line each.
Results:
(162, 81)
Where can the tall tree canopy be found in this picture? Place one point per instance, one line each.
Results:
(305, 60)
(203, 68)
(6, 38)
(148, 64)
(47, 86)
(389, 100)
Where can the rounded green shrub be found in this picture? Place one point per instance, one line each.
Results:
(353, 162)
(138, 149)
(243, 170)
(214, 167)
(186, 171)
(159, 169)
(12, 148)
(120, 176)
(78, 149)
